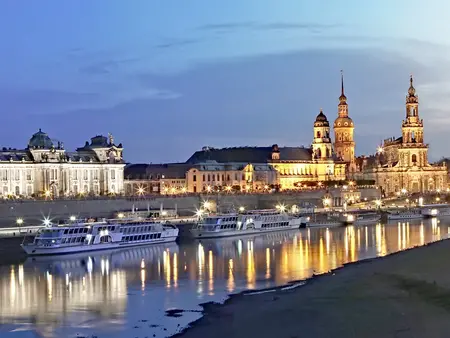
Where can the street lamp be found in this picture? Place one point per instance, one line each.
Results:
(241, 209)
(404, 191)
(72, 218)
(140, 191)
(281, 207)
(19, 221)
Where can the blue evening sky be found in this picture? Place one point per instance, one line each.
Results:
(167, 77)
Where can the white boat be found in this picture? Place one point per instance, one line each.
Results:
(324, 224)
(401, 215)
(435, 210)
(103, 235)
(367, 218)
(252, 222)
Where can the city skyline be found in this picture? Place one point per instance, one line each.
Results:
(166, 80)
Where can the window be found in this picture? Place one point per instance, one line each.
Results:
(75, 174)
(318, 134)
(29, 190)
(86, 189)
(209, 178)
(194, 178)
(414, 158)
(235, 176)
(95, 174)
(113, 188)
(113, 174)
(17, 175)
(85, 175)
(28, 174)
(17, 190)
(204, 177)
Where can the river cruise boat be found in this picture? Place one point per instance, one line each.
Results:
(405, 215)
(367, 218)
(435, 210)
(252, 222)
(102, 235)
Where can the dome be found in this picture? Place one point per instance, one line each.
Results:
(343, 122)
(321, 120)
(40, 140)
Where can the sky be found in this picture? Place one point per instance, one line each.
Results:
(167, 77)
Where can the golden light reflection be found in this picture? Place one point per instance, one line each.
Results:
(251, 274)
(379, 239)
(49, 286)
(230, 282)
(367, 238)
(211, 272)
(175, 270)
(12, 283)
(143, 279)
(327, 240)
(166, 267)
(267, 276)
(422, 234)
(321, 256)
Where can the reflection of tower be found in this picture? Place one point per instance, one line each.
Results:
(322, 147)
(413, 151)
(344, 146)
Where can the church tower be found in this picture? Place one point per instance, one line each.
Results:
(322, 147)
(413, 152)
(344, 145)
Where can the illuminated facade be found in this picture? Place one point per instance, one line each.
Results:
(45, 168)
(401, 164)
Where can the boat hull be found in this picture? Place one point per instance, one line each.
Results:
(197, 233)
(324, 224)
(404, 217)
(34, 250)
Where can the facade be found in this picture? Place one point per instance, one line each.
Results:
(45, 168)
(401, 164)
(344, 144)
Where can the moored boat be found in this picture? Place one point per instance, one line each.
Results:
(408, 214)
(101, 235)
(251, 222)
(367, 218)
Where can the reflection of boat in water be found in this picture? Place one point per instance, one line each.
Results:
(252, 222)
(230, 246)
(362, 218)
(80, 263)
(104, 235)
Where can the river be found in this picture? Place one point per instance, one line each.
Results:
(125, 293)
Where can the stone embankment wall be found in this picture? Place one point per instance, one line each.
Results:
(34, 211)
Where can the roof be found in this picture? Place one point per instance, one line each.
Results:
(250, 155)
(40, 140)
(154, 171)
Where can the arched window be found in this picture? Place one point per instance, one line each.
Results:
(318, 134)
(413, 137)
(414, 158)
(319, 152)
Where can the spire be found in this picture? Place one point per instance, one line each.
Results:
(342, 98)
(411, 97)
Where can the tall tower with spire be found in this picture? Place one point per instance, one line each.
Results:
(413, 151)
(344, 144)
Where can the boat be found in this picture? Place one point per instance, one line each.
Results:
(252, 222)
(401, 215)
(434, 210)
(367, 218)
(324, 224)
(80, 236)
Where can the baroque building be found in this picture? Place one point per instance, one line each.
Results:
(45, 168)
(401, 164)
(344, 144)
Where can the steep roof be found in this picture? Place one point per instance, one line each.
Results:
(250, 155)
(154, 171)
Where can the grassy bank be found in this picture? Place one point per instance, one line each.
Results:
(403, 295)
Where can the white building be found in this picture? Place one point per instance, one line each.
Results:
(47, 169)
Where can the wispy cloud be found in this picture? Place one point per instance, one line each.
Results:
(170, 43)
(105, 67)
(231, 26)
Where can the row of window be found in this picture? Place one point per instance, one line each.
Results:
(6, 174)
(218, 177)
(275, 225)
(228, 226)
(53, 174)
(134, 230)
(72, 240)
(141, 237)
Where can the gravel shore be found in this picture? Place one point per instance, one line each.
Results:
(406, 294)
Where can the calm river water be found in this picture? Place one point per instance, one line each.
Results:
(125, 293)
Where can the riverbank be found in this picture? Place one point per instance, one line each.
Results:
(406, 294)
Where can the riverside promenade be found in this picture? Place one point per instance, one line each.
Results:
(403, 295)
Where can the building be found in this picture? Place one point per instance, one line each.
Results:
(401, 164)
(344, 144)
(45, 168)
(255, 168)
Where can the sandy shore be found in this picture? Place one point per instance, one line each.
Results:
(402, 295)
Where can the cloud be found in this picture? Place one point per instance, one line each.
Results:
(170, 43)
(105, 67)
(231, 26)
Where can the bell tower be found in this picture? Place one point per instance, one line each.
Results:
(414, 151)
(344, 144)
(322, 147)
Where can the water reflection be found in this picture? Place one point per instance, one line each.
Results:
(112, 291)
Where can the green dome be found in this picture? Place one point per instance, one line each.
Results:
(40, 140)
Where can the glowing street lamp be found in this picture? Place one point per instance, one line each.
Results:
(183, 190)
(241, 209)
(46, 222)
(326, 202)
(140, 191)
(47, 193)
(421, 201)
(19, 221)
(404, 191)
(228, 188)
(207, 205)
(380, 150)
(208, 188)
(73, 218)
(438, 199)
(378, 203)
(121, 215)
(281, 207)
(266, 187)
(199, 213)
